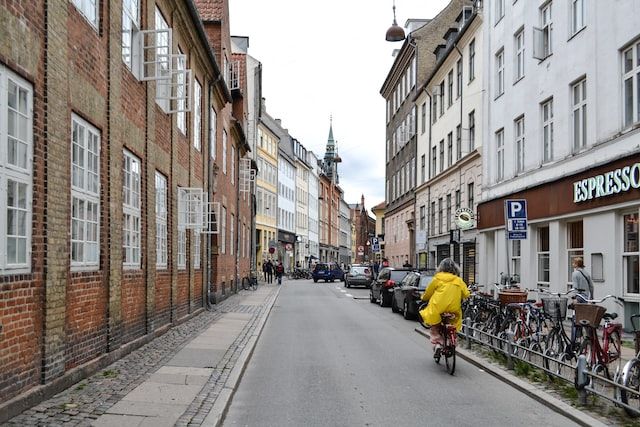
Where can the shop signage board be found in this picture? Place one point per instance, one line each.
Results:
(516, 219)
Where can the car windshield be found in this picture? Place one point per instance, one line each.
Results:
(398, 275)
(360, 270)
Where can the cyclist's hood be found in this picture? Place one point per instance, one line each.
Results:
(446, 277)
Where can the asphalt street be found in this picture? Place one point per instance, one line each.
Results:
(327, 356)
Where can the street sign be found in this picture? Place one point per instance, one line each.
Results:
(516, 219)
(375, 245)
(360, 248)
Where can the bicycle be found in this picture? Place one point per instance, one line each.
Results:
(250, 283)
(630, 377)
(599, 354)
(450, 340)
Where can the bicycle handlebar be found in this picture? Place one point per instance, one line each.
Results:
(618, 300)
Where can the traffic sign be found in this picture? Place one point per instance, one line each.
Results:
(375, 245)
(516, 219)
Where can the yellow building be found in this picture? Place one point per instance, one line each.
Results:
(266, 190)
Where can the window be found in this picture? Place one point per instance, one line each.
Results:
(85, 194)
(450, 89)
(196, 250)
(547, 30)
(440, 214)
(458, 142)
(459, 78)
(423, 117)
(131, 211)
(577, 16)
(233, 165)
(470, 196)
(631, 85)
(516, 256)
(500, 155)
(432, 222)
(162, 51)
(181, 117)
(579, 114)
(434, 159)
(130, 26)
(449, 149)
(472, 59)
(16, 145)
(543, 256)
(547, 131)
(197, 115)
(182, 249)
(161, 220)
(519, 131)
(458, 201)
(441, 155)
(631, 253)
(472, 131)
(232, 236)
(448, 212)
(434, 108)
(519, 58)
(89, 9)
(499, 10)
(500, 72)
(422, 217)
(223, 234)
(212, 133)
(441, 98)
(224, 151)
(575, 245)
(422, 168)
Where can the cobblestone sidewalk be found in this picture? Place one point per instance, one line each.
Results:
(87, 400)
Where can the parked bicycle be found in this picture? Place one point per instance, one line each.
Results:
(251, 282)
(300, 273)
(630, 376)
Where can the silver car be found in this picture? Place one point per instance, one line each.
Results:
(358, 276)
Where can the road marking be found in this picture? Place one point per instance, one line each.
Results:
(342, 290)
(348, 295)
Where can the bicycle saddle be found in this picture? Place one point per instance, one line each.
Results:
(610, 316)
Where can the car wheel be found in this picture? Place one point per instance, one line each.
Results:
(394, 304)
(382, 299)
(315, 280)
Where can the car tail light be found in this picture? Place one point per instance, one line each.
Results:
(389, 284)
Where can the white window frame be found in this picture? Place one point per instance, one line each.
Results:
(130, 29)
(631, 85)
(233, 165)
(182, 249)
(213, 126)
(197, 115)
(223, 230)
(181, 67)
(472, 130)
(499, 155)
(573, 252)
(541, 256)
(232, 234)
(191, 207)
(85, 195)
(499, 10)
(630, 254)
(224, 151)
(161, 221)
(197, 250)
(131, 200)
(472, 57)
(499, 72)
(519, 130)
(22, 174)
(579, 115)
(577, 16)
(516, 257)
(547, 30)
(519, 48)
(546, 114)
(90, 10)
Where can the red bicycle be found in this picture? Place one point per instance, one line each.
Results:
(449, 335)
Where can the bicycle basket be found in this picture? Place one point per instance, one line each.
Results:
(590, 313)
(555, 306)
(508, 297)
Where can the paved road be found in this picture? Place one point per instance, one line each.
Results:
(327, 356)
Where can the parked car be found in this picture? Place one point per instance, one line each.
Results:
(407, 294)
(382, 288)
(327, 271)
(358, 275)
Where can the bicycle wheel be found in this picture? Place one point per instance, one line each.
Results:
(450, 358)
(614, 351)
(631, 379)
(555, 344)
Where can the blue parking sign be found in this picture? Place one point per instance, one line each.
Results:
(516, 219)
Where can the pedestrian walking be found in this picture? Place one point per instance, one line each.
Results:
(581, 279)
(269, 271)
(279, 272)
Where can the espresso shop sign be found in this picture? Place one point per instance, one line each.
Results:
(613, 182)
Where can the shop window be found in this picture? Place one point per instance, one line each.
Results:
(516, 254)
(575, 245)
(543, 256)
(631, 253)
(597, 267)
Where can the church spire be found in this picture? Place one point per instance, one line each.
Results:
(331, 158)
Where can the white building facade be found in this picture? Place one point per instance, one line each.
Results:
(563, 133)
(302, 204)
(286, 203)
(314, 242)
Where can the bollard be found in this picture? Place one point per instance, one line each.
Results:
(467, 332)
(510, 340)
(582, 379)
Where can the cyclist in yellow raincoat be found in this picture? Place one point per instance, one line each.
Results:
(445, 294)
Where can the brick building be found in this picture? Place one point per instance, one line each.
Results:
(365, 228)
(113, 110)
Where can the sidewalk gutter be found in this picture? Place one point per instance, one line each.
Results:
(527, 388)
(223, 401)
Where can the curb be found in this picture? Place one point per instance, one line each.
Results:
(216, 416)
(530, 390)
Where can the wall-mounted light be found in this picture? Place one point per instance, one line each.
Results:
(395, 33)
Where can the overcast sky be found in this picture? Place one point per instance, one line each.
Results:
(329, 58)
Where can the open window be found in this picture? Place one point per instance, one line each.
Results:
(211, 218)
(176, 91)
(191, 205)
(246, 175)
(152, 54)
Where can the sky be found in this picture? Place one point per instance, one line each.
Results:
(329, 58)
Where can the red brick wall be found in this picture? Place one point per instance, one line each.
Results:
(163, 298)
(86, 318)
(197, 297)
(133, 305)
(183, 293)
(21, 320)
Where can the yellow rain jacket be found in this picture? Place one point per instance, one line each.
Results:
(445, 294)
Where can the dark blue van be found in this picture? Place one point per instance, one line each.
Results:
(327, 271)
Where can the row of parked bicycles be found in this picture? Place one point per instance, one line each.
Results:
(537, 330)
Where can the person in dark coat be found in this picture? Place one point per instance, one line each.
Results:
(269, 271)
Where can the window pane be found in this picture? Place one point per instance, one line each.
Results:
(631, 266)
(628, 60)
(631, 233)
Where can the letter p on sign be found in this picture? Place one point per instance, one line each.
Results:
(516, 209)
